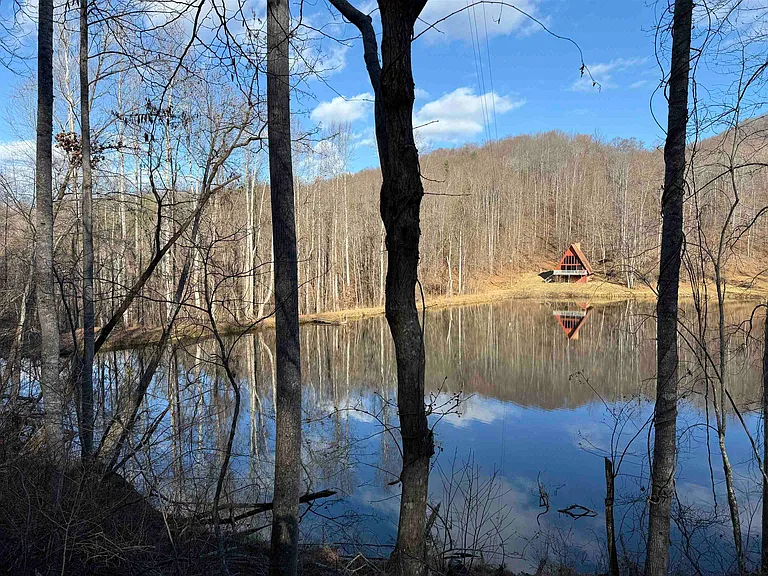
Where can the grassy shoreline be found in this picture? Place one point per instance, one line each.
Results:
(525, 287)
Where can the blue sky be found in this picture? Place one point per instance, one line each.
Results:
(511, 66)
(535, 77)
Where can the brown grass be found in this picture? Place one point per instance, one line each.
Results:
(526, 286)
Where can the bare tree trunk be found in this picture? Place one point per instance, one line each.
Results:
(461, 261)
(159, 254)
(346, 230)
(733, 505)
(250, 249)
(610, 531)
(121, 425)
(124, 265)
(401, 195)
(285, 515)
(381, 266)
(86, 367)
(764, 554)
(46, 297)
(665, 418)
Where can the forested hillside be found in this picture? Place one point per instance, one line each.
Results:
(490, 212)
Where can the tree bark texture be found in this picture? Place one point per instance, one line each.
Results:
(610, 527)
(86, 366)
(285, 515)
(45, 293)
(665, 418)
(401, 195)
(400, 204)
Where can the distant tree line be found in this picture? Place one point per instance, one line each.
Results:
(492, 212)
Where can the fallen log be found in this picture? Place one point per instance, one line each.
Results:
(325, 322)
(266, 507)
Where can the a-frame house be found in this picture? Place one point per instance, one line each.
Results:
(573, 266)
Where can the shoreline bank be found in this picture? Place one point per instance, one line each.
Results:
(527, 287)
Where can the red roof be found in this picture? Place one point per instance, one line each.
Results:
(576, 249)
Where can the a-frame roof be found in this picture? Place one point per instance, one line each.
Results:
(576, 249)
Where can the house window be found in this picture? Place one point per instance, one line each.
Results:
(571, 262)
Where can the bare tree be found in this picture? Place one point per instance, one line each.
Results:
(718, 169)
(764, 543)
(227, 134)
(401, 195)
(45, 291)
(89, 318)
(665, 417)
(285, 515)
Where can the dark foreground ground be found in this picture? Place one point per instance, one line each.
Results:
(74, 523)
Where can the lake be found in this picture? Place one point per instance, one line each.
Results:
(526, 400)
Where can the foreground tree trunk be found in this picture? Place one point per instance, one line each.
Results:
(86, 367)
(285, 515)
(401, 195)
(764, 553)
(665, 418)
(610, 530)
(46, 297)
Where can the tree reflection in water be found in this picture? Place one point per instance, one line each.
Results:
(512, 422)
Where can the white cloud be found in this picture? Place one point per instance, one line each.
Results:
(311, 53)
(328, 159)
(17, 153)
(638, 84)
(208, 20)
(342, 109)
(477, 409)
(603, 74)
(334, 59)
(421, 94)
(497, 20)
(365, 139)
(461, 114)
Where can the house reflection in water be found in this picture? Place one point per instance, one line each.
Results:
(572, 320)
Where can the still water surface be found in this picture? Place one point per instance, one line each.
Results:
(527, 398)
